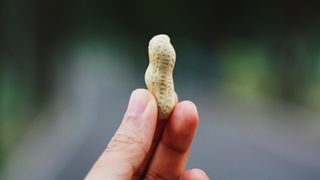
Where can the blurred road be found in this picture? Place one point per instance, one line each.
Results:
(238, 138)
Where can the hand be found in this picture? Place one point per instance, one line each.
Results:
(144, 148)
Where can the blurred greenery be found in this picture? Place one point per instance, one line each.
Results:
(257, 48)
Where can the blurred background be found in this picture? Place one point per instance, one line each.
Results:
(67, 69)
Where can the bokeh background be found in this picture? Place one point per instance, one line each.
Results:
(67, 69)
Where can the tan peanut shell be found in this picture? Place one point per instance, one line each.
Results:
(158, 77)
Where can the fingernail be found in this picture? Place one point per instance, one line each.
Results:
(200, 173)
(138, 102)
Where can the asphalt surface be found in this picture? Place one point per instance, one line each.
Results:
(239, 138)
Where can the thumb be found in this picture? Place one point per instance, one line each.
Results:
(130, 144)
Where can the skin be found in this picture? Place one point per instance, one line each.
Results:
(144, 148)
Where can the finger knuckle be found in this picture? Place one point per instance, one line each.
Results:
(124, 142)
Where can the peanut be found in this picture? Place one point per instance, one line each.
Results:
(158, 76)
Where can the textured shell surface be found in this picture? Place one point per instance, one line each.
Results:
(158, 76)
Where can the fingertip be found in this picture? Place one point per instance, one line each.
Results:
(185, 116)
(146, 93)
(141, 115)
(195, 174)
(182, 125)
(190, 111)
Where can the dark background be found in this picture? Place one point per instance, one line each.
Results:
(67, 69)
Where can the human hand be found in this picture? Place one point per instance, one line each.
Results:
(144, 148)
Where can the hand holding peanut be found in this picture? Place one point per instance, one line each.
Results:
(143, 147)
